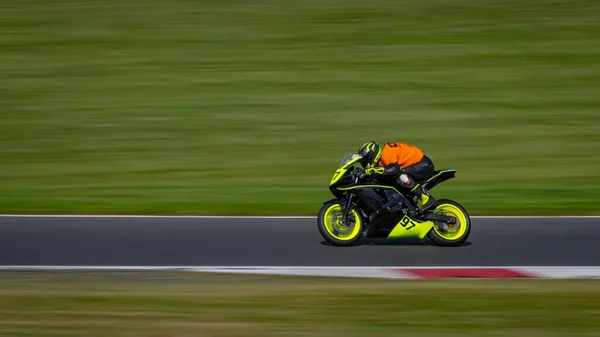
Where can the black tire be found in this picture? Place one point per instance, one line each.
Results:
(355, 230)
(451, 207)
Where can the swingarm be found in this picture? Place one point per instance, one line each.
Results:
(439, 217)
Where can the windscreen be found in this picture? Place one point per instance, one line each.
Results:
(347, 158)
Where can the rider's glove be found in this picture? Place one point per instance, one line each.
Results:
(374, 170)
(390, 170)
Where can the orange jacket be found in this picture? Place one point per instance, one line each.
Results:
(403, 154)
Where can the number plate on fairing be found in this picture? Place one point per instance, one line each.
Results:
(409, 228)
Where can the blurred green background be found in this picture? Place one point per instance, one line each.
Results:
(248, 106)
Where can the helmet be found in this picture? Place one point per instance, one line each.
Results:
(370, 153)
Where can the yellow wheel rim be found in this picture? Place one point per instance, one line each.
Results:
(333, 220)
(455, 231)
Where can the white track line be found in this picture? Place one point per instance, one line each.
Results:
(76, 267)
(125, 216)
(353, 272)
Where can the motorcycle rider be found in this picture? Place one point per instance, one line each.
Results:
(406, 163)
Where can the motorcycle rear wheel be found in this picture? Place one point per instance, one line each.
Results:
(337, 231)
(450, 235)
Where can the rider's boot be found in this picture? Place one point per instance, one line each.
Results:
(426, 200)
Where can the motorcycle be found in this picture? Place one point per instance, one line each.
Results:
(376, 207)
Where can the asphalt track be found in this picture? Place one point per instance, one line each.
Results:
(134, 241)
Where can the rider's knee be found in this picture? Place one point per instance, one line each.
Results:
(405, 180)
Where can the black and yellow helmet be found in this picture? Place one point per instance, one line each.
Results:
(370, 153)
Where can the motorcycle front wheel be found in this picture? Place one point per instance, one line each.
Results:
(336, 230)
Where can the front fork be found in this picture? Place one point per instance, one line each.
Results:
(349, 202)
(348, 205)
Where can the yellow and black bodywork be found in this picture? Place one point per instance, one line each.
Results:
(359, 210)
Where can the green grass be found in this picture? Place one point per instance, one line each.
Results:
(247, 107)
(178, 305)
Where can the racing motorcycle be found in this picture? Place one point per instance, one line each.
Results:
(377, 207)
